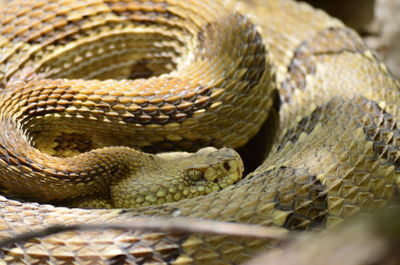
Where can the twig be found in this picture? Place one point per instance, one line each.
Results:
(175, 225)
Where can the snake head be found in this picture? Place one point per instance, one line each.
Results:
(170, 177)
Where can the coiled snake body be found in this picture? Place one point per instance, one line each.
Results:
(215, 67)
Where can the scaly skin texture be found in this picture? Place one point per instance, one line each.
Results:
(365, 240)
(41, 110)
(336, 153)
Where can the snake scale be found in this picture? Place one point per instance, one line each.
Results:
(184, 75)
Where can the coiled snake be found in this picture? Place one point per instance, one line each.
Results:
(200, 73)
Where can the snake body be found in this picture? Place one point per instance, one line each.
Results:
(215, 68)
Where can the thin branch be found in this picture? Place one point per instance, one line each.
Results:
(176, 225)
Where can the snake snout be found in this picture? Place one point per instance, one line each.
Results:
(222, 167)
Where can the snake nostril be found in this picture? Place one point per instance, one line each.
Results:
(227, 166)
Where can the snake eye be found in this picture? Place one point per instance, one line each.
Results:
(194, 174)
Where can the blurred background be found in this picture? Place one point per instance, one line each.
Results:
(378, 21)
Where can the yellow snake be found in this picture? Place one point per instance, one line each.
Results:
(87, 76)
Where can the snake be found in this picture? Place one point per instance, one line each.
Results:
(380, 230)
(91, 89)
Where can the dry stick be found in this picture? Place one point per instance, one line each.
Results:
(176, 225)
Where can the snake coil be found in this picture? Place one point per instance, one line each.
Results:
(81, 77)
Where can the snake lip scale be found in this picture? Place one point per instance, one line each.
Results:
(87, 86)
